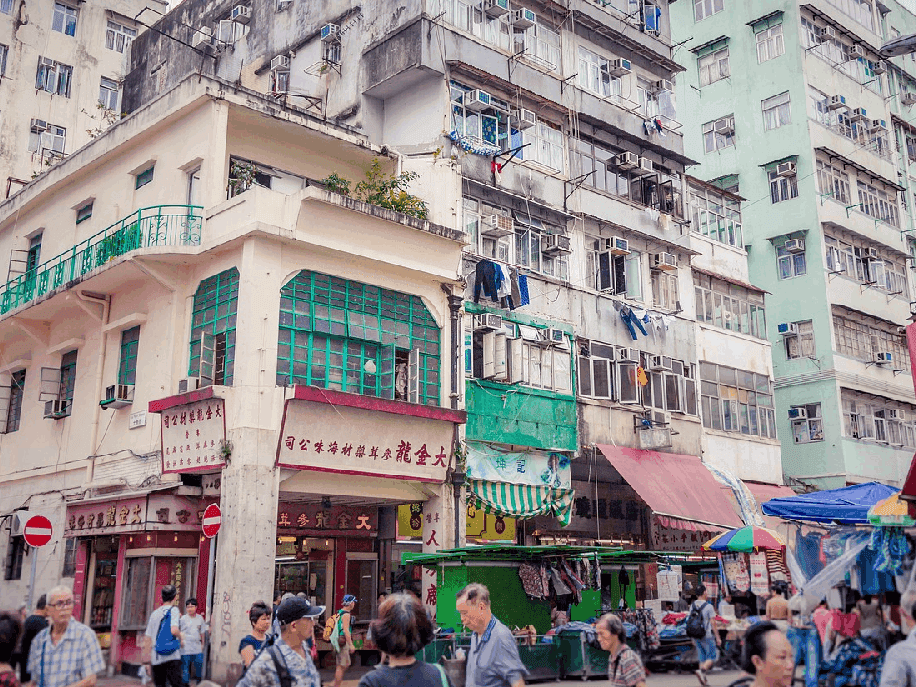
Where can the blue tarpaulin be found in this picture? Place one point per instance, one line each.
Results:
(848, 505)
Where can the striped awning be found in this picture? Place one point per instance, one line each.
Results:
(521, 500)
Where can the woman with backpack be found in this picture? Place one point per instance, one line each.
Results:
(341, 639)
(259, 616)
(701, 629)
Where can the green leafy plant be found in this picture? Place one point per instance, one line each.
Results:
(382, 189)
(336, 184)
(241, 176)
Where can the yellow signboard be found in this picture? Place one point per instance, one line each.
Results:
(480, 526)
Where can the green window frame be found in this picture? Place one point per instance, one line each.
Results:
(17, 391)
(213, 319)
(127, 365)
(144, 177)
(341, 334)
(84, 213)
(68, 378)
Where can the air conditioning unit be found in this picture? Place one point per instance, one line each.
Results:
(523, 19)
(628, 355)
(283, 5)
(477, 100)
(795, 245)
(496, 8)
(884, 358)
(908, 99)
(859, 114)
(878, 67)
(202, 36)
(18, 521)
(39, 125)
(555, 336)
(118, 396)
(837, 102)
(555, 244)
(663, 85)
(330, 33)
(786, 169)
(616, 246)
(55, 410)
(877, 126)
(626, 161)
(913, 308)
(495, 226)
(798, 413)
(645, 167)
(188, 384)
(665, 261)
(660, 418)
(619, 67)
(726, 126)
(280, 63)
(488, 322)
(871, 253)
(787, 328)
(896, 414)
(241, 14)
(660, 363)
(856, 51)
(525, 119)
(826, 33)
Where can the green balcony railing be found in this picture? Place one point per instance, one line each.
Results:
(159, 225)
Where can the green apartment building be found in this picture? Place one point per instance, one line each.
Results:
(789, 105)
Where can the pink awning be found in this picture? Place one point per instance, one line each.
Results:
(764, 492)
(674, 485)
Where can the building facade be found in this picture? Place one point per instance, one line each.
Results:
(792, 108)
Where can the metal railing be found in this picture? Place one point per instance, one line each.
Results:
(159, 225)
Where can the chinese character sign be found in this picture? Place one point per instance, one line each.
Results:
(313, 517)
(319, 436)
(192, 435)
(673, 539)
(434, 533)
(86, 519)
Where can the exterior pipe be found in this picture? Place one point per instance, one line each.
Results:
(105, 302)
(454, 307)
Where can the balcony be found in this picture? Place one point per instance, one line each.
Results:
(156, 226)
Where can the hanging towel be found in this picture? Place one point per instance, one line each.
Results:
(653, 214)
(524, 299)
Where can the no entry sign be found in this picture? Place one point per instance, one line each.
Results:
(212, 519)
(37, 531)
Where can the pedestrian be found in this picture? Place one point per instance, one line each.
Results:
(192, 650)
(768, 656)
(873, 620)
(804, 638)
(706, 647)
(20, 658)
(900, 661)
(777, 608)
(274, 623)
(493, 659)
(34, 624)
(342, 639)
(401, 630)
(162, 646)
(10, 631)
(251, 644)
(66, 652)
(624, 668)
(289, 653)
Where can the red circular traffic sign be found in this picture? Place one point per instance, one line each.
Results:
(212, 519)
(37, 531)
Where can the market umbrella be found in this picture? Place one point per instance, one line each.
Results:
(746, 539)
(891, 512)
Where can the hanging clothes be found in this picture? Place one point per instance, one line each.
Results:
(524, 298)
(560, 588)
(631, 321)
(531, 580)
(516, 294)
(487, 278)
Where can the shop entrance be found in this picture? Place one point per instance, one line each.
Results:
(362, 581)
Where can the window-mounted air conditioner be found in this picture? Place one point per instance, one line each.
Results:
(798, 413)
(877, 126)
(908, 99)
(241, 14)
(660, 418)
(18, 521)
(280, 63)
(786, 169)
(856, 51)
(628, 355)
(488, 322)
(913, 308)
(884, 358)
(477, 100)
(118, 396)
(525, 119)
(666, 262)
(619, 67)
(55, 410)
(859, 114)
(871, 254)
(626, 161)
(39, 125)
(878, 67)
(555, 336)
(837, 102)
(663, 85)
(330, 32)
(787, 329)
(495, 226)
(189, 384)
(523, 18)
(201, 36)
(660, 363)
(726, 126)
(555, 244)
(645, 168)
(795, 245)
(616, 246)
(495, 8)
(896, 414)
(826, 33)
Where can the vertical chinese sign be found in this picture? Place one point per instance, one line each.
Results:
(193, 435)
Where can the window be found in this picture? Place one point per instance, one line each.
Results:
(671, 386)
(67, 379)
(84, 213)
(145, 177)
(53, 139)
(877, 203)
(706, 8)
(833, 182)
(64, 20)
(617, 274)
(193, 196)
(119, 37)
(719, 134)
(872, 418)
(6, 6)
(801, 346)
(713, 66)
(863, 337)
(213, 323)
(595, 76)
(330, 52)
(547, 145)
(53, 77)
(737, 401)
(597, 371)
(860, 10)
(70, 547)
(109, 94)
(127, 362)
(811, 428)
(14, 410)
(776, 111)
(15, 553)
(790, 264)
(729, 306)
(664, 290)
(530, 238)
(770, 44)
(490, 126)
(839, 55)
(541, 45)
(867, 265)
(782, 188)
(4, 52)
(716, 216)
(279, 80)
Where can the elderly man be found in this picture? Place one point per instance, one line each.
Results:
(66, 653)
(290, 652)
(624, 669)
(493, 659)
(900, 662)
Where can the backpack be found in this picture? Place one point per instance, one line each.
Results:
(329, 626)
(696, 628)
(285, 677)
(166, 642)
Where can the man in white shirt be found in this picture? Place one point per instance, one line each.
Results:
(900, 661)
(162, 631)
(192, 650)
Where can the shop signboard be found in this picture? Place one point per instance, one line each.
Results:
(193, 436)
(666, 538)
(316, 519)
(365, 441)
(145, 513)
(480, 525)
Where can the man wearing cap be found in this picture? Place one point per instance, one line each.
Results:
(343, 648)
(290, 652)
